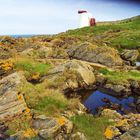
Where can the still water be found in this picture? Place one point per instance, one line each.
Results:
(94, 101)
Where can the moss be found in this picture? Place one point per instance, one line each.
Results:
(92, 127)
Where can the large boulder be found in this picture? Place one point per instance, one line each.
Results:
(11, 101)
(72, 75)
(103, 55)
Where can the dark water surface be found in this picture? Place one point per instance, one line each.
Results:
(94, 101)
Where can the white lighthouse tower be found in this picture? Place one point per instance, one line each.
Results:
(85, 18)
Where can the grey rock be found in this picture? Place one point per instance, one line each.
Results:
(103, 55)
(132, 134)
(130, 55)
(11, 101)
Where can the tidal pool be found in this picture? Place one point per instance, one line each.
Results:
(95, 100)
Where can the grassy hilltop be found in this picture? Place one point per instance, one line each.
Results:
(124, 34)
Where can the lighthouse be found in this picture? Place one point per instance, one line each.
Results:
(86, 19)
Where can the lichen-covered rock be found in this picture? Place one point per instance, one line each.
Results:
(130, 55)
(103, 55)
(120, 89)
(11, 101)
(78, 136)
(124, 127)
(72, 75)
(52, 127)
(132, 134)
(112, 114)
(5, 67)
(111, 132)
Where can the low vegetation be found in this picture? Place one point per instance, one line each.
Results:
(50, 102)
(121, 35)
(92, 127)
(33, 70)
(120, 76)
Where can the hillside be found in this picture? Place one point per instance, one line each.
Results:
(123, 34)
(44, 79)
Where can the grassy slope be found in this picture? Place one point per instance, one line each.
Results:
(121, 34)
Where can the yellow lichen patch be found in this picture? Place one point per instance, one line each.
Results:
(61, 120)
(6, 65)
(111, 132)
(19, 97)
(35, 76)
(108, 133)
(27, 111)
(29, 133)
(122, 122)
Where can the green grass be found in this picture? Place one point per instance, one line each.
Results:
(32, 67)
(120, 35)
(92, 127)
(46, 101)
(120, 76)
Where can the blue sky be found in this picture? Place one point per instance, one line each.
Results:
(54, 16)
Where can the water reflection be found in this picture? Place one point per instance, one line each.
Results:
(99, 99)
(137, 63)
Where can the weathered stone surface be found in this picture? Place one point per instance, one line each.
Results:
(112, 114)
(126, 127)
(111, 132)
(51, 127)
(11, 101)
(75, 75)
(132, 134)
(122, 89)
(78, 136)
(103, 55)
(130, 55)
(118, 89)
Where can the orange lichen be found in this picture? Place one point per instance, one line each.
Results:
(61, 120)
(29, 133)
(19, 97)
(108, 133)
(27, 111)
(6, 65)
(35, 76)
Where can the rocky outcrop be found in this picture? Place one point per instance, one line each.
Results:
(72, 75)
(120, 89)
(130, 55)
(52, 127)
(132, 134)
(11, 101)
(103, 55)
(125, 128)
